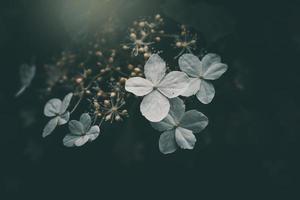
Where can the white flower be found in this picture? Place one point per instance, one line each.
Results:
(58, 110)
(27, 73)
(201, 72)
(179, 127)
(157, 88)
(81, 131)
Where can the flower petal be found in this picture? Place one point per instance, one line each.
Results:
(190, 64)
(192, 88)
(166, 124)
(194, 120)
(63, 119)
(173, 84)
(175, 114)
(86, 121)
(206, 92)
(49, 128)
(177, 109)
(155, 106)
(81, 140)
(93, 133)
(167, 143)
(155, 69)
(69, 140)
(208, 60)
(66, 103)
(185, 138)
(52, 107)
(76, 127)
(215, 71)
(138, 86)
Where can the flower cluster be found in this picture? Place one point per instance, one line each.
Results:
(161, 104)
(103, 74)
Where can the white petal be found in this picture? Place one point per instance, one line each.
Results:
(69, 140)
(194, 120)
(155, 106)
(63, 119)
(208, 60)
(190, 64)
(177, 109)
(215, 71)
(185, 138)
(49, 128)
(138, 86)
(52, 107)
(166, 124)
(86, 121)
(93, 133)
(81, 140)
(66, 103)
(173, 84)
(206, 92)
(76, 127)
(155, 69)
(192, 88)
(167, 143)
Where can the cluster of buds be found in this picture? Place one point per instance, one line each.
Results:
(143, 34)
(111, 109)
(185, 41)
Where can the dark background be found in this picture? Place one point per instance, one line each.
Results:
(250, 149)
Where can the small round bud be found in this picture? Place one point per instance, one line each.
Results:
(125, 47)
(123, 80)
(141, 49)
(178, 44)
(146, 48)
(108, 117)
(133, 36)
(118, 118)
(146, 55)
(78, 80)
(106, 103)
(157, 17)
(124, 112)
(111, 60)
(99, 53)
(143, 33)
(99, 93)
(113, 94)
(157, 39)
(137, 70)
(142, 24)
(133, 74)
(130, 67)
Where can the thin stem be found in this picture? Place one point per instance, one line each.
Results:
(102, 119)
(78, 102)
